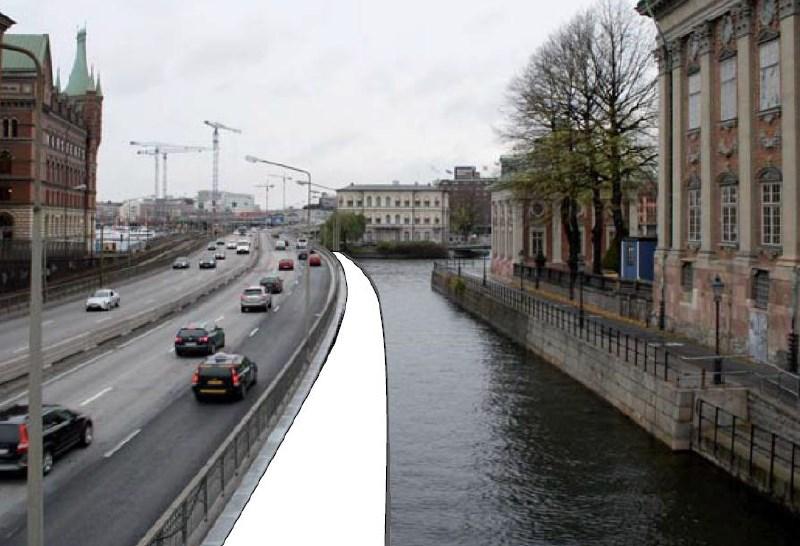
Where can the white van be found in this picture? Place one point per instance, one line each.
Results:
(243, 247)
(302, 244)
(280, 244)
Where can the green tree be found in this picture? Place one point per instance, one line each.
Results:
(351, 228)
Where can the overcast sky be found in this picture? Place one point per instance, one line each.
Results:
(364, 91)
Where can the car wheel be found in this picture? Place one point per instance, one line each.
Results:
(178, 352)
(47, 462)
(255, 377)
(222, 344)
(212, 349)
(199, 397)
(87, 435)
(242, 392)
(244, 310)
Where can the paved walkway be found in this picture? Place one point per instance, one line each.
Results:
(687, 355)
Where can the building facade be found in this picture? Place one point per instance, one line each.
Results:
(57, 145)
(227, 202)
(729, 154)
(470, 203)
(399, 212)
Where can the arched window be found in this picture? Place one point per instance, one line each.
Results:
(6, 128)
(369, 200)
(14, 129)
(5, 162)
(388, 201)
(771, 181)
(729, 207)
(694, 208)
(388, 219)
(396, 218)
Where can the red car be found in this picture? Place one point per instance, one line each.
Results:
(286, 264)
(314, 260)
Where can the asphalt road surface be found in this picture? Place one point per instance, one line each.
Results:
(70, 319)
(151, 436)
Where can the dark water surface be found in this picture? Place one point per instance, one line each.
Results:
(492, 446)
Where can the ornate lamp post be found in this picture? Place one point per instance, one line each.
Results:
(717, 286)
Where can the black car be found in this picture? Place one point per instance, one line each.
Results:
(63, 429)
(224, 375)
(302, 255)
(208, 262)
(273, 284)
(181, 263)
(199, 337)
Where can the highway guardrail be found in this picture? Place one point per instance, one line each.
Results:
(195, 509)
(17, 367)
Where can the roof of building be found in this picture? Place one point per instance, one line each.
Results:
(79, 79)
(37, 44)
(390, 187)
(657, 7)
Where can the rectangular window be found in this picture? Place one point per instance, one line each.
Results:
(727, 89)
(396, 202)
(769, 62)
(694, 101)
(406, 203)
(761, 288)
(5, 194)
(350, 203)
(687, 276)
(771, 213)
(630, 254)
(537, 242)
(694, 215)
(729, 199)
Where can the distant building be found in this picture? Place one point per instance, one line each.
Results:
(729, 156)
(149, 211)
(469, 196)
(107, 212)
(327, 202)
(61, 151)
(398, 212)
(227, 202)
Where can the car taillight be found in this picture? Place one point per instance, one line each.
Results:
(235, 378)
(22, 447)
(195, 378)
(204, 339)
(178, 339)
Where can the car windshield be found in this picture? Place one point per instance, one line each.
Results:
(252, 292)
(191, 332)
(102, 293)
(9, 433)
(215, 371)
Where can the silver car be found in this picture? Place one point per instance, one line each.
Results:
(255, 297)
(103, 300)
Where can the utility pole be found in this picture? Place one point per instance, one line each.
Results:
(215, 169)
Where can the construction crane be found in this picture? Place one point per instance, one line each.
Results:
(215, 172)
(162, 150)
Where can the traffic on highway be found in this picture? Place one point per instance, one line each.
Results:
(128, 426)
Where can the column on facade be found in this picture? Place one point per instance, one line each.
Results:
(517, 230)
(744, 92)
(790, 123)
(555, 222)
(706, 129)
(665, 158)
(678, 212)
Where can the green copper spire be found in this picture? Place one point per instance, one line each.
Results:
(79, 80)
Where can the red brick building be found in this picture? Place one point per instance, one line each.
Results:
(61, 148)
(729, 151)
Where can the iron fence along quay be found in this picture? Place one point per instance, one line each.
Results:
(765, 458)
(203, 498)
(653, 357)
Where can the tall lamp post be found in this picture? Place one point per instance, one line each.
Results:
(717, 286)
(35, 506)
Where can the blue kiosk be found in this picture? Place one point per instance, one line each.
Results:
(637, 258)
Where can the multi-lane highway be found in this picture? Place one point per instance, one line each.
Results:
(64, 322)
(151, 436)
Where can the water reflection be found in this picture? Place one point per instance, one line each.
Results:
(491, 446)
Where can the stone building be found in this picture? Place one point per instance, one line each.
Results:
(469, 196)
(227, 202)
(521, 228)
(59, 144)
(399, 212)
(729, 157)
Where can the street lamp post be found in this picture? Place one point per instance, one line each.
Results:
(540, 261)
(35, 506)
(580, 293)
(717, 286)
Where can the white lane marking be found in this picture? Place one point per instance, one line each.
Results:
(140, 336)
(253, 332)
(58, 377)
(95, 397)
(45, 323)
(277, 308)
(120, 445)
(219, 319)
(98, 321)
(20, 349)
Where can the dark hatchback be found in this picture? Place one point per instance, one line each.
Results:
(63, 429)
(272, 283)
(224, 375)
(302, 255)
(181, 263)
(201, 337)
(208, 262)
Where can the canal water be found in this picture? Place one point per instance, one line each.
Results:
(489, 445)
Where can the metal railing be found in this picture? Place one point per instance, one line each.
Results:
(197, 506)
(652, 357)
(768, 460)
